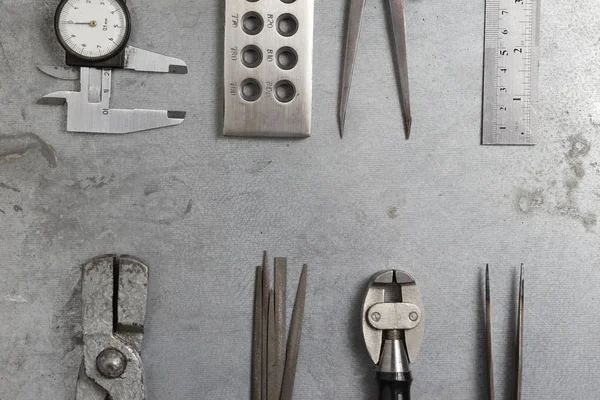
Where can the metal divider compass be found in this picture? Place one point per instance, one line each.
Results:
(357, 8)
(94, 34)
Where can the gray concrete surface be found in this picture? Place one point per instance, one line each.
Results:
(199, 208)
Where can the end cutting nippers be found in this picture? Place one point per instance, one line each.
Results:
(393, 327)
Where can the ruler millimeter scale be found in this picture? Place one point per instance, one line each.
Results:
(511, 72)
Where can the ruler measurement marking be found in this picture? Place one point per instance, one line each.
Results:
(510, 92)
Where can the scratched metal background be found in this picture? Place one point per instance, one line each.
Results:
(200, 208)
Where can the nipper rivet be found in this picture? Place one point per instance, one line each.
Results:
(111, 363)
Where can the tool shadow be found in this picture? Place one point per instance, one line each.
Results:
(368, 380)
(220, 70)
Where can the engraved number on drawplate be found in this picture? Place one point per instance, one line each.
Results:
(511, 72)
(268, 68)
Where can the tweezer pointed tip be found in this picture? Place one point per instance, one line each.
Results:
(407, 127)
(487, 282)
(266, 279)
(303, 274)
(522, 282)
(302, 282)
(341, 124)
(522, 270)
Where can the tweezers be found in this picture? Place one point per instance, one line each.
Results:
(519, 346)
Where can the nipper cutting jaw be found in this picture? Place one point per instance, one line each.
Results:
(393, 326)
(114, 291)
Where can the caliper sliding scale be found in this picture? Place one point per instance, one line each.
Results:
(512, 36)
(94, 34)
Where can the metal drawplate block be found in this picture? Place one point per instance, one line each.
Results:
(268, 68)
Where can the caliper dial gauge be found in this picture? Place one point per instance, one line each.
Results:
(93, 30)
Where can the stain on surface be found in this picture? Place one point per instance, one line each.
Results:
(393, 212)
(92, 182)
(53, 227)
(258, 166)
(166, 200)
(590, 220)
(188, 209)
(5, 58)
(563, 198)
(69, 320)
(527, 201)
(5, 186)
(15, 147)
(188, 17)
(578, 169)
(580, 146)
(571, 185)
(150, 189)
(16, 298)
(16, 359)
(18, 208)
(595, 121)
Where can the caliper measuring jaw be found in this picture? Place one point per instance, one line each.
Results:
(89, 109)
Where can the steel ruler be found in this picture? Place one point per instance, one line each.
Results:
(512, 37)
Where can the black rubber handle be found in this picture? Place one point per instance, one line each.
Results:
(394, 390)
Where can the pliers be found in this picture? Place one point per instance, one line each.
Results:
(393, 327)
(114, 293)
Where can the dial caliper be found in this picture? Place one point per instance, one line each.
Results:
(94, 34)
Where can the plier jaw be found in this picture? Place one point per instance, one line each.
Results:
(393, 327)
(114, 291)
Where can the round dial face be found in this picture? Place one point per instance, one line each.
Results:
(93, 29)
